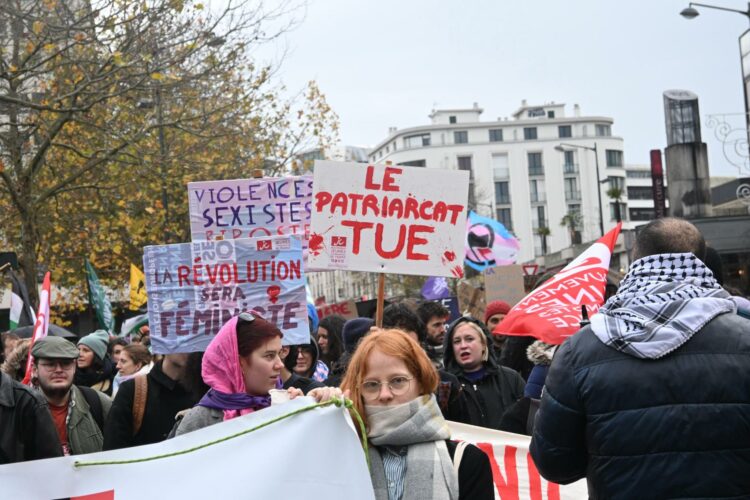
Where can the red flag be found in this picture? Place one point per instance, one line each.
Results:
(552, 312)
(41, 326)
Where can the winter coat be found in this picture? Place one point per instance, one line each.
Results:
(27, 430)
(199, 417)
(488, 398)
(84, 434)
(451, 398)
(474, 474)
(671, 427)
(165, 398)
(302, 383)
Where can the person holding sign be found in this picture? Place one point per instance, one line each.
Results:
(241, 366)
(391, 382)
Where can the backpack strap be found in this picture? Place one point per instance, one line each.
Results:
(139, 402)
(459, 454)
(95, 404)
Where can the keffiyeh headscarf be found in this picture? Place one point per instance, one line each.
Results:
(662, 302)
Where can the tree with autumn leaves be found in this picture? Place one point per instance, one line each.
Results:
(109, 107)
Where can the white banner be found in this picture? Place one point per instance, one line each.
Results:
(315, 454)
(514, 472)
(388, 219)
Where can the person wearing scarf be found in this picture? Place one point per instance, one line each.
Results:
(650, 400)
(391, 382)
(241, 365)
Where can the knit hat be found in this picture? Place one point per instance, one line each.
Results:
(97, 342)
(495, 307)
(353, 331)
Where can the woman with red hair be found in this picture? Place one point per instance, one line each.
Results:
(391, 382)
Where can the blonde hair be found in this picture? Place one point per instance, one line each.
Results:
(394, 343)
(482, 337)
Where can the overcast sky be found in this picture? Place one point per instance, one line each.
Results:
(387, 63)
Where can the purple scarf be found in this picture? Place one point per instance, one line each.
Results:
(236, 404)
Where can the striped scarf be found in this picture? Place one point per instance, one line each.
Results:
(662, 302)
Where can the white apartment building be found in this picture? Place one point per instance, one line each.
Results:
(528, 171)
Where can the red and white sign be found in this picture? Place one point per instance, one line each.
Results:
(388, 219)
(513, 470)
(530, 269)
(552, 312)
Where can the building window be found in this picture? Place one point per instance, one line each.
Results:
(451, 119)
(414, 163)
(574, 208)
(613, 211)
(529, 133)
(416, 141)
(642, 214)
(564, 131)
(503, 217)
(535, 164)
(640, 193)
(502, 193)
(460, 137)
(464, 163)
(614, 158)
(536, 190)
(617, 182)
(496, 135)
(572, 193)
(550, 114)
(394, 146)
(569, 163)
(603, 130)
(500, 169)
(638, 174)
(537, 217)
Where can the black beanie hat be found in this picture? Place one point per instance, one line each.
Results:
(353, 331)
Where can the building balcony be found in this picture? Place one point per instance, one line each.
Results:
(536, 224)
(572, 196)
(570, 169)
(536, 170)
(538, 197)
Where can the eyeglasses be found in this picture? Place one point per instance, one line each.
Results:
(397, 386)
(65, 364)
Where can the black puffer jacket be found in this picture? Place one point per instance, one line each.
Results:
(675, 427)
(487, 399)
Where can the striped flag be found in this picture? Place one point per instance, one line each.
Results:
(21, 312)
(41, 326)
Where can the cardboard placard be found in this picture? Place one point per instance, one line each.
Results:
(346, 309)
(504, 283)
(471, 300)
(388, 219)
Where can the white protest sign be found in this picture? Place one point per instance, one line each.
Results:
(250, 208)
(513, 470)
(388, 219)
(290, 458)
(194, 288)
(504, 283)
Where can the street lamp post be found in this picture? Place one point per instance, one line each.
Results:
(691, 13)
(562, 146)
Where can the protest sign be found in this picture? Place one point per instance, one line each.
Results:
(471, 300)
(250, 208)
(552, 312)
(513, 470)
(451, 303)
(504, 283)
(346, 309)
(219, 461)
(388, 219)
(194, 288)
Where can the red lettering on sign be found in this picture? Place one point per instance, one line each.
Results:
(507, 487)
(415, 240)
(389, 181)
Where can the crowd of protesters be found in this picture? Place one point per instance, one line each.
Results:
(663, 407)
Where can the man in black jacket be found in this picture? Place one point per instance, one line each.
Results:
(489, 389)
(652, 399)
(26, 428)
(167, 395)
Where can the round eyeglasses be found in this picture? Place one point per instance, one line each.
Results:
(397, 385)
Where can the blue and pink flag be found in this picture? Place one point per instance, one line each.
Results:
(488, 243)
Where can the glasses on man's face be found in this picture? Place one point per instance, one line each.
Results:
(65, 364)
(397, 385)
